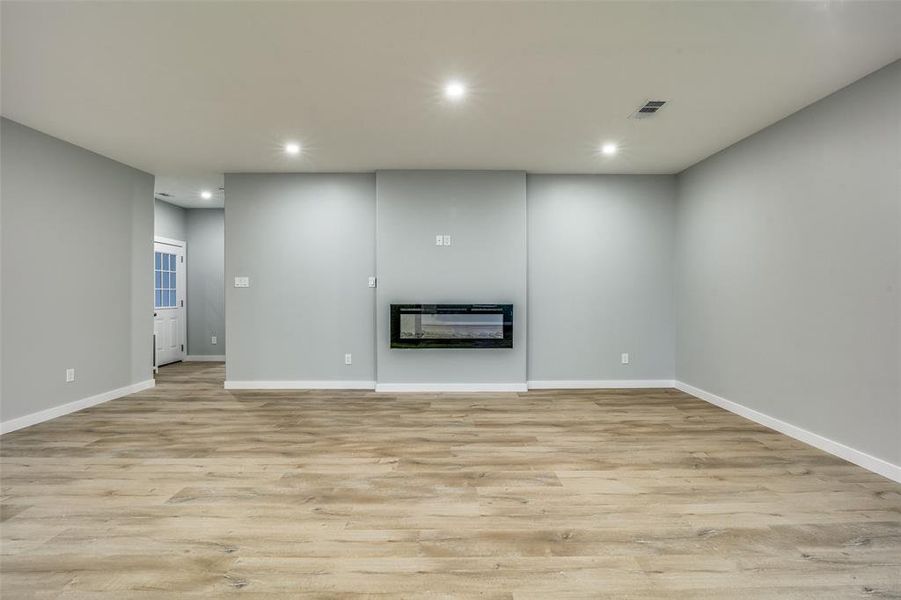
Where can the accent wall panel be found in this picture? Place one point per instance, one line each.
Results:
(483, 215)
(601, 277)
(307, 244)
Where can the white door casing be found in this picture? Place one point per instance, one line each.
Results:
(169, 280)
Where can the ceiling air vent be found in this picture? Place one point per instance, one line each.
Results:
(648, 109)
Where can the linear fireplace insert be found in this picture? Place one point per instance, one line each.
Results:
(451, 325)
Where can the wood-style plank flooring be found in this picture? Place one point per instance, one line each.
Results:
(190, 491)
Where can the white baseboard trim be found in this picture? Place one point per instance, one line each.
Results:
(450, 387)
(71, 407)
(598, 384)
(205, 358)
(326, 384)
(861, 459)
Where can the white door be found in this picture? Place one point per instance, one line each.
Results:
(169, 300)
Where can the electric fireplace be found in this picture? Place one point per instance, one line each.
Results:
(451, 326)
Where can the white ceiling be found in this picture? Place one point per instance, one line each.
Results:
(185, 189)
(185, 89)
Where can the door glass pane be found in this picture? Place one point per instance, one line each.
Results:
(164, 280)
(173, 262)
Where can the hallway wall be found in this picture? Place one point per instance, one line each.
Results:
(77, 258)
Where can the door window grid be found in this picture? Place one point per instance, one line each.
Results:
(164, 279)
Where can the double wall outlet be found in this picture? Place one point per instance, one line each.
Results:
(348, 359)
(70, 375)
(213, 340)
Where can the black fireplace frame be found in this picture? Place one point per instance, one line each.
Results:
(434, 309)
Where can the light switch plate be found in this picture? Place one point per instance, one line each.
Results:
(439, 240)
(625, 358)
(70, 375)
(213, 340)
(372, 282)
(242, 282)
(447, 240)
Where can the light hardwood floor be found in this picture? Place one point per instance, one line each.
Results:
(191, 491)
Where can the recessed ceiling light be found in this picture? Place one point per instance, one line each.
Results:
(206, 194)
(454, 90)
(292, 148)
(609, 149)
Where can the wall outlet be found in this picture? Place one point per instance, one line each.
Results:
(372, 282)
(439, 240)
(213, 340)
(624, 357)
(348, 359)
(242, 282)
(447, 240)
(70, 375)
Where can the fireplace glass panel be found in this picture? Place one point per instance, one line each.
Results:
(452, 326)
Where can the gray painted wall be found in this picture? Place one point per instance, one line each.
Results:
(789, 269)
(169, 221)
(77, 250)
(307, 242)
(206, 281)
(485, 213)
(601, 277)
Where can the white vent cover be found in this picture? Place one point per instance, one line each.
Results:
(648, 109)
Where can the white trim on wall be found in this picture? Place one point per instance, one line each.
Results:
(71, 407)
(451, 387)
(328, 384)
(861, 459)
(598, 384)
(170, 241)
(205, 358)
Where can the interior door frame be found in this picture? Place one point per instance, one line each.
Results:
(183, 287)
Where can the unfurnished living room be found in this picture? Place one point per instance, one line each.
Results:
(453, 299)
